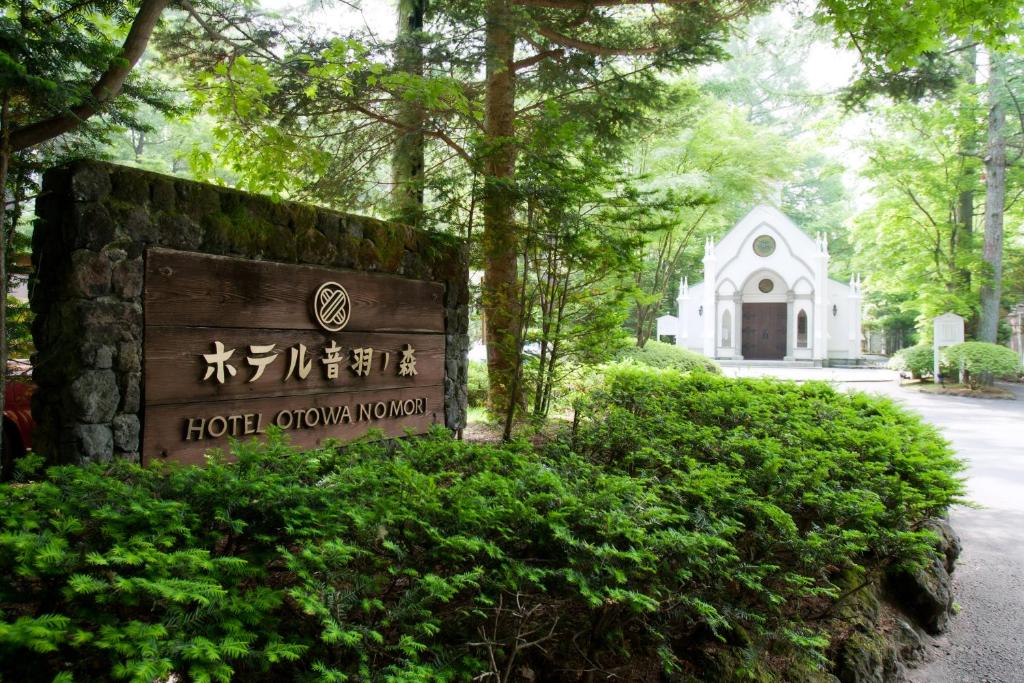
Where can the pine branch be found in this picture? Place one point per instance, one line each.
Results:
(107, 87)
(590, 4)
(594, 48)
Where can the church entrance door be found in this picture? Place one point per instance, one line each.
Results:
(764, 331)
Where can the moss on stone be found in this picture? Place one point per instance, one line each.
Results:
(312, 246)
(130, 185)
(302, 218)
(346, 251)
(239, 231)
(367, 256)
(280, 245)
(197, 199)
(162, 194)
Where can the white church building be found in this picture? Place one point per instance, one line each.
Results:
(766, 295)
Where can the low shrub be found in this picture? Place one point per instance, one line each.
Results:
(656, 354)
(982, 362)
(775, 490)
(918, 361)
(688, 513)
(478, 384)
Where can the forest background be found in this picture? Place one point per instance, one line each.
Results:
(615, 180)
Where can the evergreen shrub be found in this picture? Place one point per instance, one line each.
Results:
(684, 515)
(918, 360)
(656, 354)
(982, 362)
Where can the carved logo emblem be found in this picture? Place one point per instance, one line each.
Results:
(331, 306)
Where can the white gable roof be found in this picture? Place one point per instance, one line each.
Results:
(792, 260)
(773, 220)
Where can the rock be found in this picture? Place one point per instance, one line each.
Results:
(926, 594)
(108, 321)
(127, 278)
(161, 193)
(868, 658)
(93, 442)
(99, 356)
(90, 183)
(197, 199)
(948, 545)
(126, 432)
(314, 247)
(179, 232)
(130, 185)
(95, 396)
(90, 274)
(128, 357)
(131, 392)
(908, 642)
(95, 228)
(133, 222)
(115, 254)
(330, 225)
(860, 661)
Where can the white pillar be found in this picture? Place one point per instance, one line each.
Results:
(821, 303)
(854, 300)
(683, 311)
(710, 287)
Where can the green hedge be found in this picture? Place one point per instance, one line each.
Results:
(775, 489)
(656, 354)
(982, 362)
(918, 361)
(685, 514)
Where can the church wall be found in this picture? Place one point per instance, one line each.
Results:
(695, 322)
(839, 324)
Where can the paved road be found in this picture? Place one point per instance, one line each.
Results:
(985, 641)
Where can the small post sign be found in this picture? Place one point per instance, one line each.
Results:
(949, 330)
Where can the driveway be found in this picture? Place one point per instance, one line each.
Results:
(985, 641)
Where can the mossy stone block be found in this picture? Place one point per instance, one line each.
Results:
(302, 218)
(313, 247)
(89, 182)
(367, 256)
(130, 185)
(162, 194)
(91, 226)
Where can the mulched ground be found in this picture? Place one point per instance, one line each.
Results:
(959, 390)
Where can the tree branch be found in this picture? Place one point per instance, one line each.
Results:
(590, 4)
(593, 48)
(537, 59)
(439, 134)
(107, 87)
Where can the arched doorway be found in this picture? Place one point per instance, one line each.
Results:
(765, 317)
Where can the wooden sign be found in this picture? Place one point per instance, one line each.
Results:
(233, 346)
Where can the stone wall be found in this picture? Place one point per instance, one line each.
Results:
(95, 221)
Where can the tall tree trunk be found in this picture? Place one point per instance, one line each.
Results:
(5, 162)
(965, 200)
(995, 200)
(407, 162)
(499, 239)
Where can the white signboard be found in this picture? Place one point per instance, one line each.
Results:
(949, 330)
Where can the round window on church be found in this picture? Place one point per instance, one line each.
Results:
(766, 285)
(764, 245)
